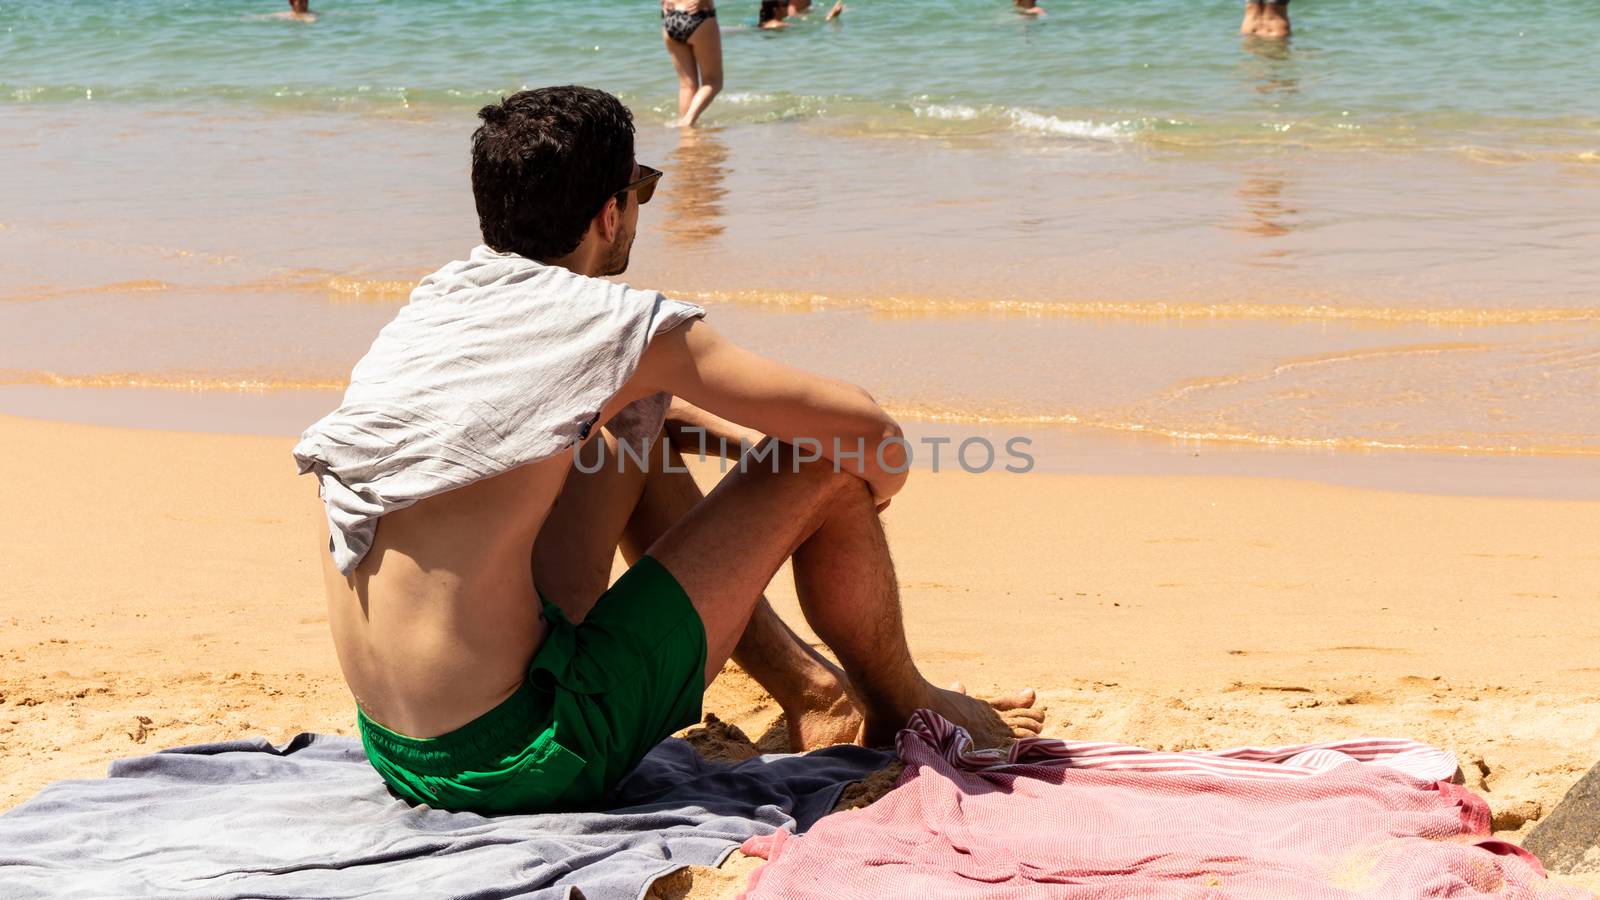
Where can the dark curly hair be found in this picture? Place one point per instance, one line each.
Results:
(543, 164)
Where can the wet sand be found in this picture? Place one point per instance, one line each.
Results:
(1272, 297)
(1173, 612)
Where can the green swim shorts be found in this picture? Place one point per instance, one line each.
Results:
(597, 697)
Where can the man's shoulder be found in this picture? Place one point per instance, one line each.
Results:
(481, 268)
(486, 271)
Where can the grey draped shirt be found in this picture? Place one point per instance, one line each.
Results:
(496, 362)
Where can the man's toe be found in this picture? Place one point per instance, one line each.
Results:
(1020, 700)
(1025, 728)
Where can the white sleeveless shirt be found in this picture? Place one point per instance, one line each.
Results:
(496, 362)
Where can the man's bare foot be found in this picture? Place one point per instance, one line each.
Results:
(822, 712)
(1018, 716)
(992, 723)
(823, 721)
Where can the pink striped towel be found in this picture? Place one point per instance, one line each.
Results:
(1370, 818)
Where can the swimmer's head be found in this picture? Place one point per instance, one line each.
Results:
(772, 11)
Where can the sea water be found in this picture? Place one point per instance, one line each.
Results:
(1120, 219)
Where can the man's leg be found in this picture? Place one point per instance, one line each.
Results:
(625, 504)
(578, 541)
(727, 548)
(810, 689)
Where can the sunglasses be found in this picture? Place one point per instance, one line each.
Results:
(644, 185)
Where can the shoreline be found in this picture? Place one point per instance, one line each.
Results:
(1174, 612)
(1284, 301)
(1055, 449)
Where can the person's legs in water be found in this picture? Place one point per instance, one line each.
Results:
(1252, 17)
(1266, 19)
(1274, 20)
(624, 504)
(706, 42)
(688, 72)
(726, 549)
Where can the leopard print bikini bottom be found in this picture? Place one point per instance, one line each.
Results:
(681, 25)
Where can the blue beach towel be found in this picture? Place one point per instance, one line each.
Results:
(312, 819)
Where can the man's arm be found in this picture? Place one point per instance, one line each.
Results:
(709, 371)
(693, 430)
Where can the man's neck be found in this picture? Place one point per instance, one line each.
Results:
(582, 261)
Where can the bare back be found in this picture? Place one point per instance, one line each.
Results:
(438, 623)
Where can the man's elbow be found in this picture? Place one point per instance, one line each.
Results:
(893, 451)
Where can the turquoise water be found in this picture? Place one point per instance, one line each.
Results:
(1452, 74)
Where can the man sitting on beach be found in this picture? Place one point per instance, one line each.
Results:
(481, 473)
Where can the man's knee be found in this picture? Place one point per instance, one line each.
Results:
(805, 463)
(850, 490)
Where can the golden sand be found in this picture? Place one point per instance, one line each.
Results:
(162, 589)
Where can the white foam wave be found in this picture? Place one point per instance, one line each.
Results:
(952, 113)
(1022, 119)
(1028, 120)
